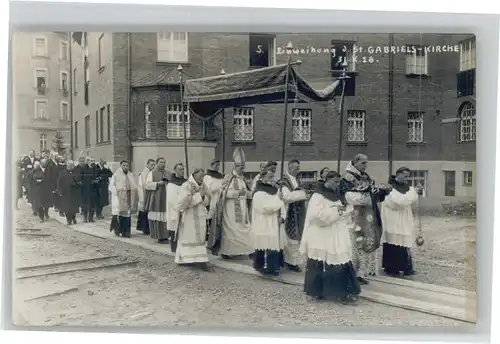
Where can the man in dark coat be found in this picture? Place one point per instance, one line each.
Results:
(40, 189)
(53, 171)
(27, 166)
(104, 174)
(78, 173)
(89, 195)
(61, 166)
(69, 190)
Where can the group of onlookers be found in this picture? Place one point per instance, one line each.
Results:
(49, 180)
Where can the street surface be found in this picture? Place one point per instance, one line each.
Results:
(126, 285)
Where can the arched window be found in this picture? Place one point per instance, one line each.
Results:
(467, 122)
(43, 142)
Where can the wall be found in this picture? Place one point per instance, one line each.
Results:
(24, 65)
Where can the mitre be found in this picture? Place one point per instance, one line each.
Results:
(239, 156)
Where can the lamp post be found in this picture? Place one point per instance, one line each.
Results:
(223, 118)
(343, 77)
(289, 48)
(183, 115)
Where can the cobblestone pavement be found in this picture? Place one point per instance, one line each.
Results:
(159, 293)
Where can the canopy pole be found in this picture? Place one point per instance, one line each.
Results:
(223, 141)
(183, 114)
(289, 47)
(341, 115)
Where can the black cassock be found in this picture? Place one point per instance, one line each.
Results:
(89, 189)
(69, 190)
(28, 166)
(40, 188)
(53, 171)
(78, 173)
(103, 174)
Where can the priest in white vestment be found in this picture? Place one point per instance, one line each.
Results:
(268, 230)
(295, 215)
(190, 235)
(173, 189)
(397, 220)
(124, 197)
(142, 216)
(326, 243)
(236, 196)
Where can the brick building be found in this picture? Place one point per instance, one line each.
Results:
(40, 105)
(127, 102)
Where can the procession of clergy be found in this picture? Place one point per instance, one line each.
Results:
(337, 229)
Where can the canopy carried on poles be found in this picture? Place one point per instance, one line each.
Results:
(265, 85)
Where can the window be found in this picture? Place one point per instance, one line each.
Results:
(342, 52)
(172, 46)
(175, 124)
(64, 111)
(449, 183)
(468, 55)
(418, 178)
(108, 114)
(356, 126)
(243, 124)
(99, 43)
(467, 122)
(147, 121)
(41, 80)
(415, 126)
(63, 55)
(75, 83)
(40, 47)
(301, 125)
(40, 109)
(75, 128)
(262, 50)
(97, 122)
(467, 178)
(87, 131)
(64, 81)
(102, 111)
(416, 60)
(43, 142)
(307, 177)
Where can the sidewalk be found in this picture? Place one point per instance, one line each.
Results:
(402, 293)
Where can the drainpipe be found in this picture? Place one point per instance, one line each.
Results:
(129, 96)
(391, 103)
(70, 90)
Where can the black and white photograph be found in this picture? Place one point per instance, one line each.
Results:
(261, 180)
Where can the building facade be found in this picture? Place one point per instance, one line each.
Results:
(413, 107)
(40, 79)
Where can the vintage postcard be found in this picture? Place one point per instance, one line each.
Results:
(265, 180)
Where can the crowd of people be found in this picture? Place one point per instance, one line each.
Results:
(343, 229)
(49, 180)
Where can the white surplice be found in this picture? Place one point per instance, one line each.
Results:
(173, 215)
(192, 229)
(141, 184)
(397, 218)
(265, 222)
(213, 186)
(235, 238)
(291, 252)
(326, 235)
